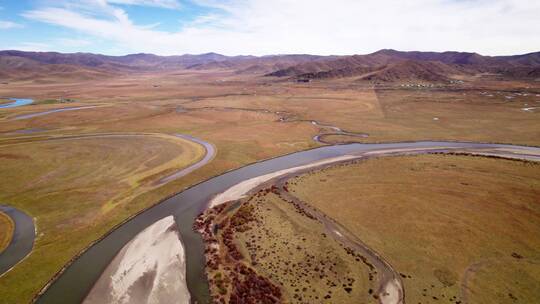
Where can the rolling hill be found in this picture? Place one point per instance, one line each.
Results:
(381, 66)
(391, 65)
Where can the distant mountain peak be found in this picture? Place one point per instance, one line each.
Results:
(386, 52)
(385, 64)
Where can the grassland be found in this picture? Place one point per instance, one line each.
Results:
(289, 248)
(479, 111)
(77, 189)
(236, 113)
(465, 229)
(295, 251)
(51, 101)
(6, 230)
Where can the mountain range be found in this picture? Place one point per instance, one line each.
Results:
(382, 66)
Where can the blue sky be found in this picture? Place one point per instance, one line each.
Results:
(262, 27)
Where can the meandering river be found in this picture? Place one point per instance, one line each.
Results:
(78, 278)
(17, 102)
(32, 115)
(22, 241)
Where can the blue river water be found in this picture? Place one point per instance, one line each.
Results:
(17, 102)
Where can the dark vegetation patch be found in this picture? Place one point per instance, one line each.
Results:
(270, 245)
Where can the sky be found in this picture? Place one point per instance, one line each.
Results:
(264, 27)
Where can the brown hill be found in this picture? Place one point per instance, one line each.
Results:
(459, 58)
(391, 65)
(520, 72)
(329, 64)
(384, 65)
(257, 65)
(526, 60)
(410, 70)
(128, 62)
(405, 70)
(13, 67)
(29, 65)
(16, 64)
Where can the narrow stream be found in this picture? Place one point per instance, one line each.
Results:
(22, 241)
(209, 154)
(31, 115)
(17, 102)
(77, 279)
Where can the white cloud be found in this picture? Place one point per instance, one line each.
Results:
(53, 45)
(73, 43)
(4, 25)
(31, 47)
(315, 26)
(173, 4)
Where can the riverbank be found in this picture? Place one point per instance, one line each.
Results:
(21, 240)
(6, 230)
(90, 183)
(151, 268)
(37, 114)
(390, 290)
(420, 211)
(240, 190)
(16, 102)
(187, 205)
(209, 154)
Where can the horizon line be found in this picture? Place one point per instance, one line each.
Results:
(261, 56)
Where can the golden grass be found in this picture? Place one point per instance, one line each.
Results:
(479, 111)
(6, 230)
(435, 217)
(516, 281)
(294, 252)
(77, 189)
(131, 103)
(469, 115)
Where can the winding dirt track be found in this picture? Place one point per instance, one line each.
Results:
(476, 266)
(390, 289)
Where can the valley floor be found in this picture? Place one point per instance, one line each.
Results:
(78, 186)
(458, 228)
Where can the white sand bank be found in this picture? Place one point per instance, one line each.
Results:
(149, 269)
(392, 293)
(239, 190)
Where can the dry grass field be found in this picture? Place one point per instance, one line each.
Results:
(240, 115)
(204, 103)
(269, 235)
(6, 230)
(78, 188)
(295, 252)
(466, 114)
(464, 228)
